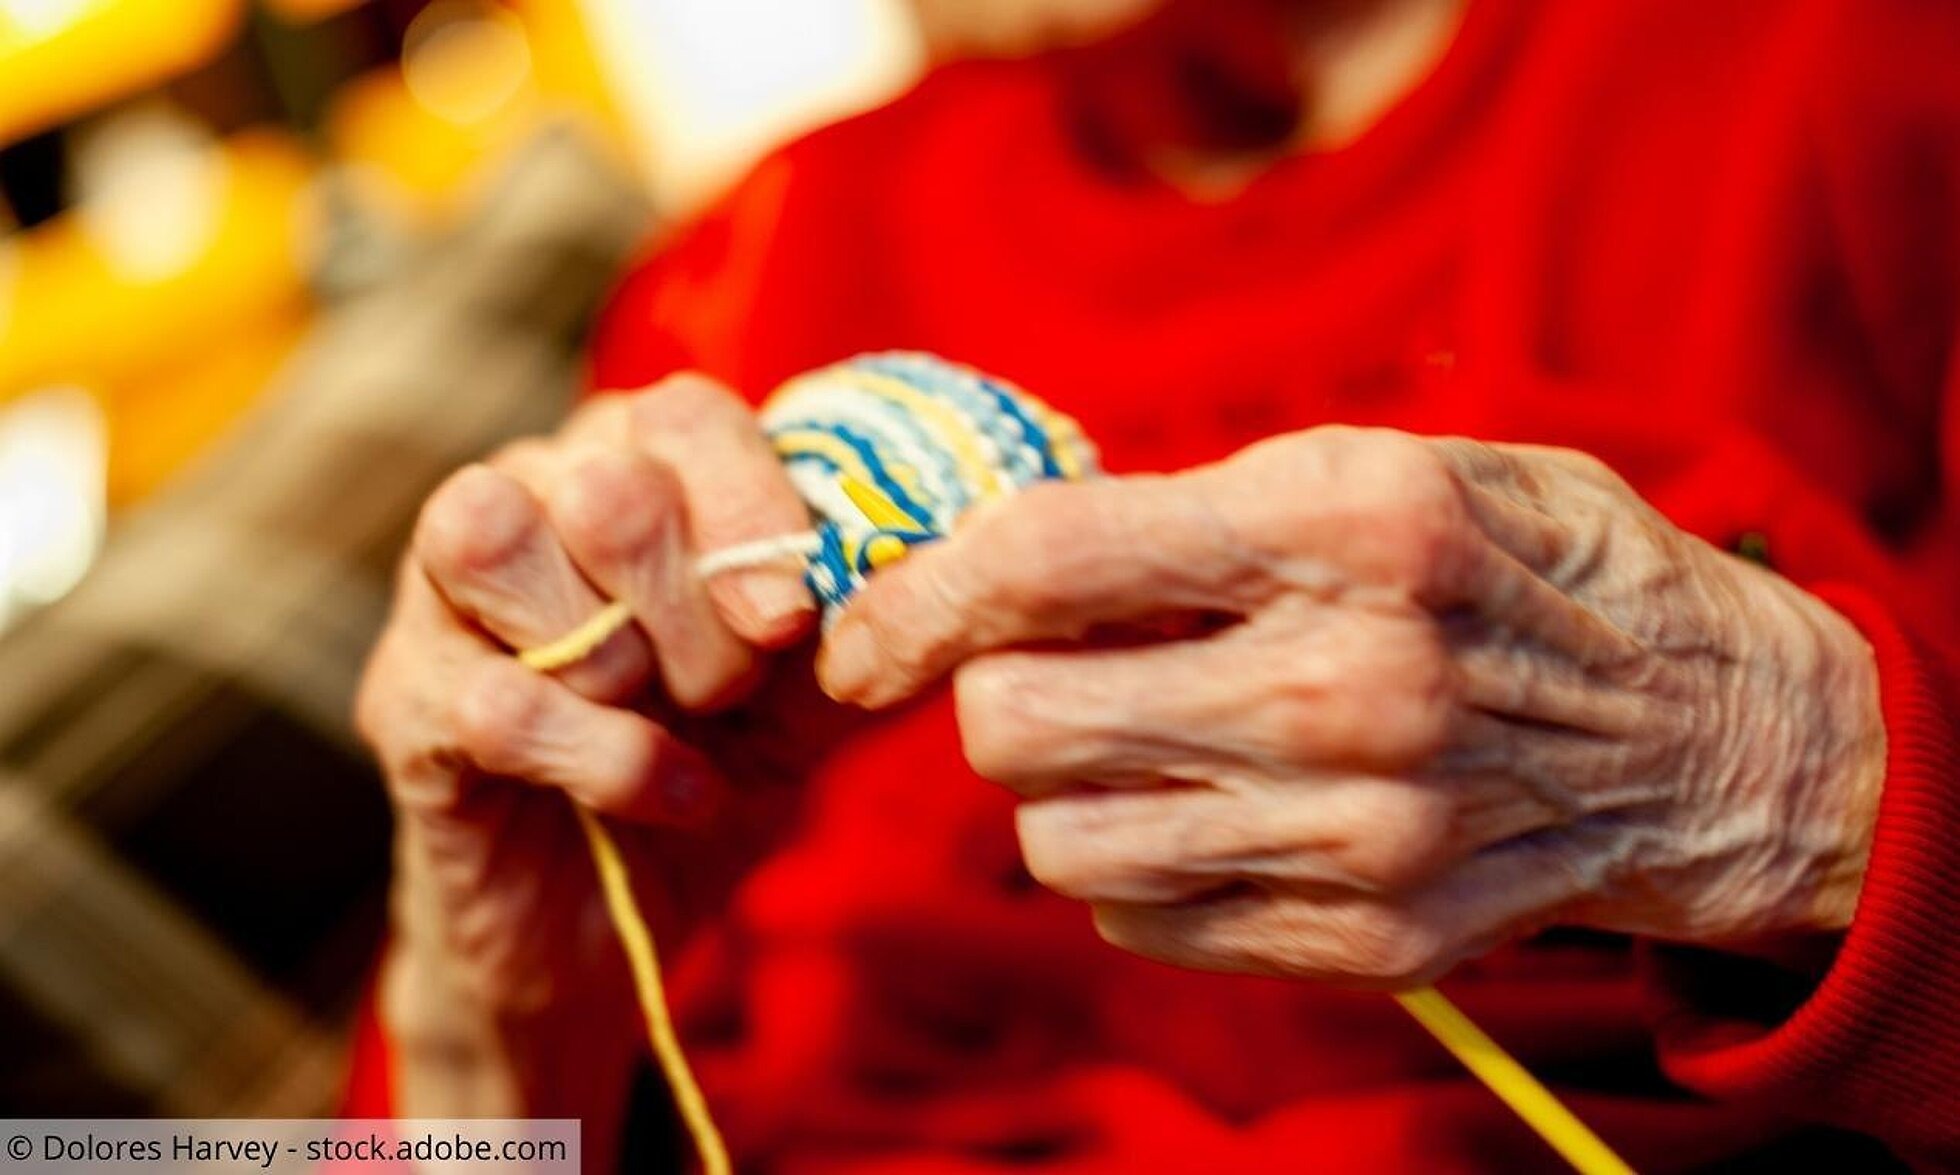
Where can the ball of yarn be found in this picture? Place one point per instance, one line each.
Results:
(890, 449)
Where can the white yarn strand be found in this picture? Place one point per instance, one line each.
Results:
(782, 548)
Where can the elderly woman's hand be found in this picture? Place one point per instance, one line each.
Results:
(1404, 698)
(498, 915)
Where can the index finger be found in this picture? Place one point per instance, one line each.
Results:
(736, 492)
(1046, 564)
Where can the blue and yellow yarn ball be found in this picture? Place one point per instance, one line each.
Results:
(890, 449)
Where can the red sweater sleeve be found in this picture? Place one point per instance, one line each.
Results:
(1875, 1044)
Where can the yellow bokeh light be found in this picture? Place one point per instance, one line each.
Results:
(464, 62)
(151, 187)
(53, 452)
(31, 19)
(61, 59)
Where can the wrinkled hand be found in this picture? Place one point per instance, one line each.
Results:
(1429, 694)
(674, 723)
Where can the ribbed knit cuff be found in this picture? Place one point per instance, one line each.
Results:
(1876, 1046)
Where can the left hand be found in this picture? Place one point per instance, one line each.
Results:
(1463, 691)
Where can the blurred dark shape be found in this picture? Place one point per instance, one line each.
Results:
(302, 65)
(30, 177)
(193, 849)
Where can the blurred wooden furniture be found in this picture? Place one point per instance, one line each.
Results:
(193, 847)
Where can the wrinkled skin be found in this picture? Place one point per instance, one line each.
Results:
(688, 729)
(1447, 693)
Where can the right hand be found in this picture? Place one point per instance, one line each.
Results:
(674, 728)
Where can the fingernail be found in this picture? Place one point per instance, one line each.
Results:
(847, 661)
(780, 605)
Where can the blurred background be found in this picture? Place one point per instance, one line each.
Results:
(268, 270)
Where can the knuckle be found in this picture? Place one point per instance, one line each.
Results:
(1589, 467)
(1009, 729)
(1401, 836)
(1387, 947)
(915, 622)
(597, 419)
(1418, 508)
(524, 453)
(1390, 499)
(497, 717)
(1083, 848)
(762, 507)
(372, 709)
(409, 741)
(612, 504)
(1051, 853)
(683, 403)
(1382, 693)
(1296, 716)
(1036, 541)
(748, 495)
(1407, 468)
(1419, 688)
(987, 695)
(1053, 868)
(475, 522)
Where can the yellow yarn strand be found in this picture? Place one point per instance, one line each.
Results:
(581, 642)
(1512, 1083)
(880, 510)
(635, 936)
(637, 940)
(978, 468)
